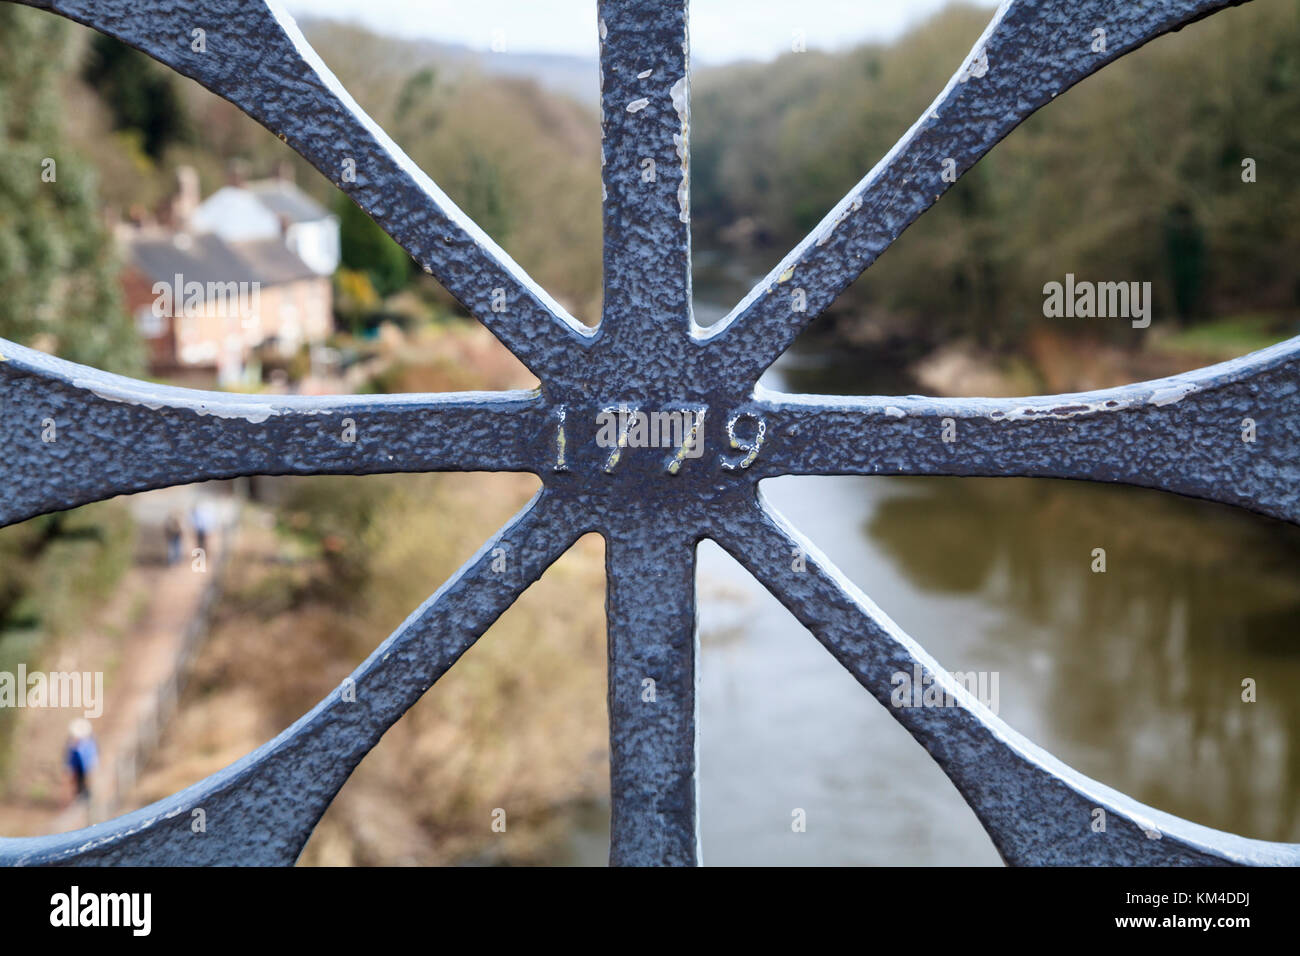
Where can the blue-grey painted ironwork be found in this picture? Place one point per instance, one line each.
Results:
(652, 505)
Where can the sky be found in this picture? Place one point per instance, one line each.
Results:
(721, 30)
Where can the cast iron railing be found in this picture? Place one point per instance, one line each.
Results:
(652, 506)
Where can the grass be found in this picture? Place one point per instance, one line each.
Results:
(56, 571)
(1230, 336)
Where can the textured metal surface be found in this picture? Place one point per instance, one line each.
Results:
(653, 501)
(1180, 434)
(117, 435)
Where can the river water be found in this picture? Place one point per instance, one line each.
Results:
(1133, 676)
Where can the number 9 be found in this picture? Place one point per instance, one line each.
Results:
(750, 446)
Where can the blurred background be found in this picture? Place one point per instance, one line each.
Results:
(1132, 676)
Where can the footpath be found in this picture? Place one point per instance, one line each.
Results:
(142, 641)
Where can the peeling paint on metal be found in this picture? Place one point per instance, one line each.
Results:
(1172, 394)
(254, 412)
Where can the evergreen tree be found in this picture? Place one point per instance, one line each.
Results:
(366, 248)
(59, 275)
(140, 93)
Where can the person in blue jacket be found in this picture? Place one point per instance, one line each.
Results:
(81, 759)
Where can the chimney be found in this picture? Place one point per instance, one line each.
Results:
(237, 173)
(187, 198)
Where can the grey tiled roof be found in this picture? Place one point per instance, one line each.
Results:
(287, 201)
(272, 261)
(202, 258)
(208, 258)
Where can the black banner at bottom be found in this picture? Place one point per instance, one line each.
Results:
(331, 906)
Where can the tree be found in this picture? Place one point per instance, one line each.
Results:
(366, 248)
(484, 194)
(1185, 248)
(140, 94)
(59, 280)
(417, 92)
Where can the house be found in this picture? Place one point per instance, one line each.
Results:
(222, 283)
(273, 209)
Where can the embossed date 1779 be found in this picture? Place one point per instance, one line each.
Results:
(678, 430)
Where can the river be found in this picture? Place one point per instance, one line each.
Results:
(1133, 676)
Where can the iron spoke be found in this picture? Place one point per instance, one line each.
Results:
(72, 434)
(644, 153)
(1036, 809)
(308, 763)
(1224, 433)
(653, 649)
(1032, 51)
(248, 50)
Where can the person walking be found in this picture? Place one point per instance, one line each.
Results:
(172, 531)
(201, 519)
(81, 759)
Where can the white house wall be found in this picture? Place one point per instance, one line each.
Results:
(236, 215)
(316, 243)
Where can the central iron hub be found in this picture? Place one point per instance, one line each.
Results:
(690, 446)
